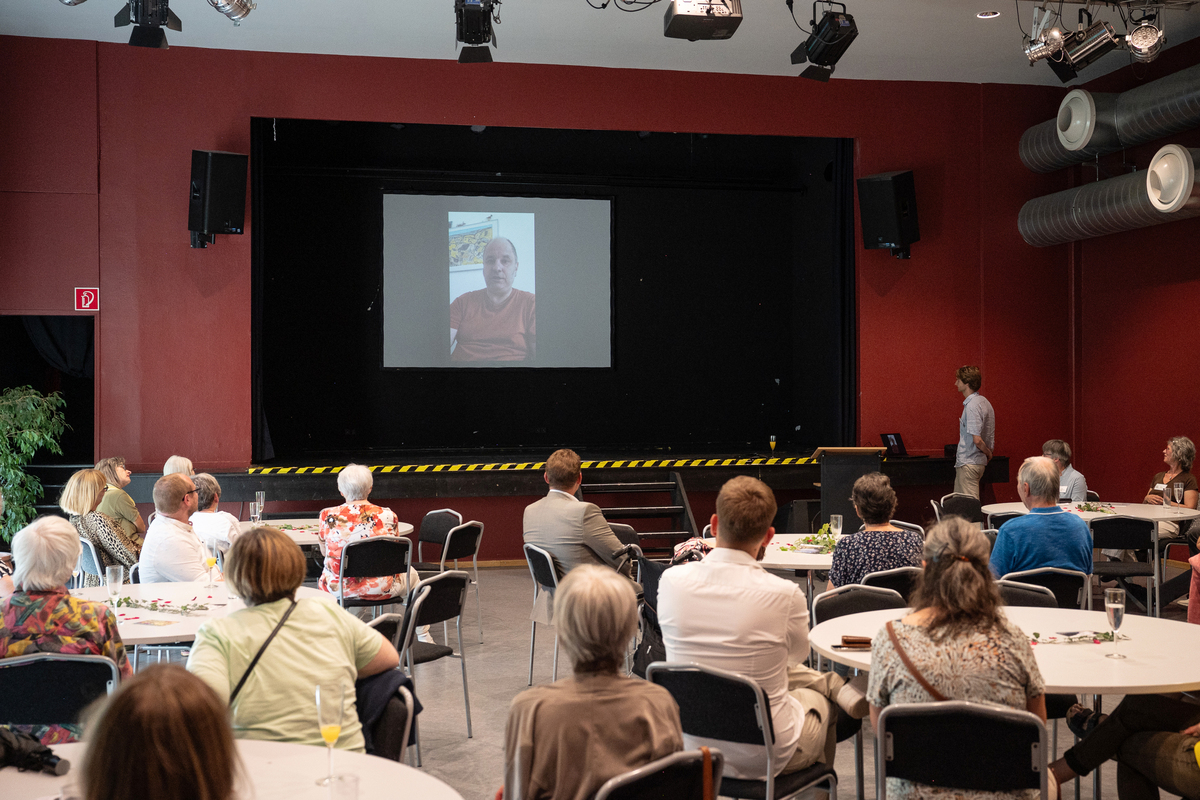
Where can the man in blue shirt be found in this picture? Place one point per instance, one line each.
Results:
(976, 432)
(1072, 486)
(1047, 536)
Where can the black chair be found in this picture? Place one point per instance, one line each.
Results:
(1128, 533)
(650, 647)
(962, 505)
(1015, 593)
(679, 776)
(135, 573)
(89, 561)
(461, 541)
(434, 528)
(991, 534)
(994, 748)
(545, 579)
(625, 534)
(1093, 497)
(373, 557)
(1071, 588)
(996, 520)
(388, 735)
(907, 526)
(721, 705)
(900, 579)
(853, 598)
(53, 688)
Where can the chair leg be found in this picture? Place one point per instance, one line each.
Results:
(555, 655)
(463, 659)
(478, 608)
(532, 636)
(859, 778)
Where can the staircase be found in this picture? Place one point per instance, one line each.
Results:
(657, 544)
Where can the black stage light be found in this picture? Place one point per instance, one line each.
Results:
(148, 17)
(475, 55)
(473, 26)
(830, 38)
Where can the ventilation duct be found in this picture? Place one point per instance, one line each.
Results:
(1089, 124)
(1166, 192)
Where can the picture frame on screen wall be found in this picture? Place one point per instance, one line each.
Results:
(467, 243)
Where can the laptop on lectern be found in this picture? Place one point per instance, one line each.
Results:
(894, 446)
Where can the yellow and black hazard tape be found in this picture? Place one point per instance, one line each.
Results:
(518, 466)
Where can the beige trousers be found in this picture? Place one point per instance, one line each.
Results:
(817, 692)
(966, 479)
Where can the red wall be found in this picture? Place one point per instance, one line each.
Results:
(97, 140)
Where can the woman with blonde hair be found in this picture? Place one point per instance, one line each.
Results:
(164, 734)
(80, 498)
(957, 638)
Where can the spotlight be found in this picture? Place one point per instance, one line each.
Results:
(1083, 47)
(1045, 46)
(236, 10)
(473, 21)
(828, 41)
(148, 18)
(1145, 41)
(72, 2)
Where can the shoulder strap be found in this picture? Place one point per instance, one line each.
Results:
(261, 650)
(707, 772)
(934, 693)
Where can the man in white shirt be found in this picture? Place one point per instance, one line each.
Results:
(729, 613)
(212, 526)
(171, 551)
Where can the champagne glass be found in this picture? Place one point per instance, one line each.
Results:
(114, 576)
(1179, 492)
(835, 525)
(260, 499)
(330, 703)
(1114, 606)
(1166, 495)
(210, 561)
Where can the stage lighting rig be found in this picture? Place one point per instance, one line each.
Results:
(828, 41)
(148, 18)
(236, 10)
(473, 26)
(1068, 53)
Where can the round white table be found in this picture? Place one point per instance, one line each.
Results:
(1138, 510)
(276, 771)
(778, 559)
(1161, 655)
(303, 530)
(139, 626)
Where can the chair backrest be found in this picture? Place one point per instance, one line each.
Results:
(625, 533)
(447, 594)
(1093, 497)
(996, 520)
(437, 524)
(1123, 533)
(679, 776)
(963, 505)
(707, 532)
(995, 748)
(135, 573)
(53, 688)
(390, 626)
(462, 541)
(854, 598)
(908, 526)
(716, 704)
(937, 509)
(991, 534)
(89, 558)
(541, 567)
(375, 556)
(1015, 593)
(1068, 585)
(649, 575)
(901, 579)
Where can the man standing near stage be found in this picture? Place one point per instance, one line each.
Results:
(976, 432)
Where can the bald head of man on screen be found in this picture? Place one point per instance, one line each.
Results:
(496, 323)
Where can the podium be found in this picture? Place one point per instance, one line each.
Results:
(840, 468)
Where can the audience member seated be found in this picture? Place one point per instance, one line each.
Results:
(172, 551)
(1179, 455)
(959, 640)
(1047, 536)
(880, 545)
(1153, 738)
(80, 498)
(42, 617)
(566, 739)
(320, 644)
(117, 503)
(1072, 486)
(180, 465)
(353, 520)
(210, 523)
(729, 613)
(165, 735)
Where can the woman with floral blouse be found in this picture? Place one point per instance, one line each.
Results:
(879, 545)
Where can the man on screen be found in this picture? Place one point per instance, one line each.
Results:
(495, 323)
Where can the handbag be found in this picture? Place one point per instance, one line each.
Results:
(934, 693)
(258, 655)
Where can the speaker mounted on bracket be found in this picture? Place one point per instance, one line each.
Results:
(217, 199)
(887, 205)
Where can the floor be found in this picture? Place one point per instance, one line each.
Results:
(498, 669)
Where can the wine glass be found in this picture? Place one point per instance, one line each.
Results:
(114, 576)
(1114, 606)
(1179, 492)
(1166, 495)
(331, 700)
(210, 561)
(835, 524)
(260, 499)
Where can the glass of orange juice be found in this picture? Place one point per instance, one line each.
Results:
(331, 698)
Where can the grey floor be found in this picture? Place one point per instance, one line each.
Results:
(498, 669)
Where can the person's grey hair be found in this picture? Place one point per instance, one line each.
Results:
(208, 490)
(355, 482)
(178, 464)
(1057, 448)
(595, 614)
(1042, 476)
(1183, 452)
(45, 553)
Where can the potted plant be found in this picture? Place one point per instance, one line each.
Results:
(29, 421)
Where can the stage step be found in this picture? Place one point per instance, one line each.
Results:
(634, 486)
(640, 512)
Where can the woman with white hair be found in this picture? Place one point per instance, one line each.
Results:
(564, 740)
(41, 616)
(81, 498)
(357, 519)
(212, 525)
(178, 464)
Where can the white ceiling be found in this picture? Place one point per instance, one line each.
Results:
(917, 40)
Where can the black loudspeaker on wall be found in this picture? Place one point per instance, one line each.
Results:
(887, 204)
(217, 201)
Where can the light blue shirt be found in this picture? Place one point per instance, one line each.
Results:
(1072, 486)
(978, 419)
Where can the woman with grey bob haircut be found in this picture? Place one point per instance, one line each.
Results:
(565, 739)
(45, 553)
(211, 524)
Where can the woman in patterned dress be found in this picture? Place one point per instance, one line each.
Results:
(82, 494)
(880, 545)
(958, 638)
(41, 616)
